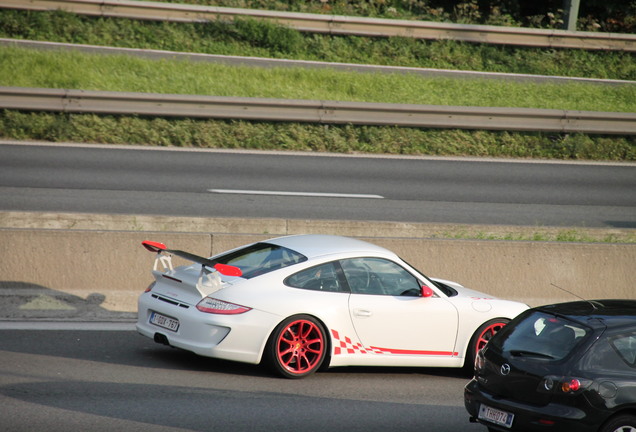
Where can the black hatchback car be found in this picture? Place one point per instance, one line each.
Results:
(562, 367)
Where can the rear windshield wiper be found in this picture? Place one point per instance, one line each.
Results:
(521, 353)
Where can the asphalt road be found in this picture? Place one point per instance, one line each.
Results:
(133, 180)
(99, 380)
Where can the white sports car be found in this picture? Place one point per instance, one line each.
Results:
(305, 302)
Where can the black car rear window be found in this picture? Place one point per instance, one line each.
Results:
(261, 258)
(541, 336)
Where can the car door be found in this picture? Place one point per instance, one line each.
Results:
(390, 315)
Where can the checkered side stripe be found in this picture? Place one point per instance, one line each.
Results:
(346, 345)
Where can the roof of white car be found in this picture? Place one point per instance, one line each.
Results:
(314, 245)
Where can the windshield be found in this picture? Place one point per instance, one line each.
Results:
(541, 336)
(261, 258)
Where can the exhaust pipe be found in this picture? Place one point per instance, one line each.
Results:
(161, 339)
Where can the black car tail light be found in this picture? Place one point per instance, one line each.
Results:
(563, 385)
(571, 386)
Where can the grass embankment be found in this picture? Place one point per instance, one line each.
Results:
(33, 68)
(253, 38)
(257, 39)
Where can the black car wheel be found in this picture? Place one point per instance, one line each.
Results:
(621, 423)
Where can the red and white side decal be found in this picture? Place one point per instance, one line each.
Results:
(346, 345)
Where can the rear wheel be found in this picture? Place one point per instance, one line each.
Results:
(297, 347)
(481, 337)
(621, 423)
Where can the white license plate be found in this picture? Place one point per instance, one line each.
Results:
(496, 416)
(164, 321)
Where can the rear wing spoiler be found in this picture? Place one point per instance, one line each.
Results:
(164, 257)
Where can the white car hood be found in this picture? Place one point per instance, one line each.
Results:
(462, 291)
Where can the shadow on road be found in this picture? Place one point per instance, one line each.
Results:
(28, 301)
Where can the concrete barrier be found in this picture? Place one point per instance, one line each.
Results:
(111, 267)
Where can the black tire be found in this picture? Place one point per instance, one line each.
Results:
(620, 423)
(481, 336)
(297, 347)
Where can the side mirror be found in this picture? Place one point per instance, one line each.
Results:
(426, 291)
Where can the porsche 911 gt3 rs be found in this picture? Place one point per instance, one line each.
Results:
(306, 302)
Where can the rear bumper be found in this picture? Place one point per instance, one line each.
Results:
(551, 417)
(229, 337)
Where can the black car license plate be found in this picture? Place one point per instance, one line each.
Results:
(496, 416)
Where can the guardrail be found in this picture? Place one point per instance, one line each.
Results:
(340, 25)
(312, 111)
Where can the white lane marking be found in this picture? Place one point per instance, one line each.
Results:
(67, 325)
(306, 194)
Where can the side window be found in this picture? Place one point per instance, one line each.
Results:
(380, 277)
(625, 347)
(610, 355)
(319, 278)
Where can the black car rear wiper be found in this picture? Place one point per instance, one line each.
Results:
(522, 353)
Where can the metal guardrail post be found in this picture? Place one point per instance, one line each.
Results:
(570, 14)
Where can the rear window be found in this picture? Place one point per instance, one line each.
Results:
(261, 258)
(541, 336)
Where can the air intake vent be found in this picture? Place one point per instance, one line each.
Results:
(172, 302)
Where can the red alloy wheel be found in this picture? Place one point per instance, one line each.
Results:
(300, 347)
(487, 333)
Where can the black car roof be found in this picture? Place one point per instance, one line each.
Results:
(613, 313)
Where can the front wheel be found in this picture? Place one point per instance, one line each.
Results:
(297, 347)
(481, 337)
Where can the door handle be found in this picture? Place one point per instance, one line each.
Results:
(362, 313)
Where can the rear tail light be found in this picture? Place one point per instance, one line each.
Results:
(563, 385)
(150, 287)
(215, 306)
(571, 385)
